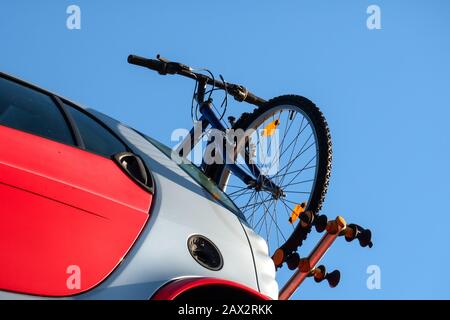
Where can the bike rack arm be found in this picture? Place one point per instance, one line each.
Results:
(334, 229)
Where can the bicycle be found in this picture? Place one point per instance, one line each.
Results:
(252, 186)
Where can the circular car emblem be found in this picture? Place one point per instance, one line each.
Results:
(205, 252)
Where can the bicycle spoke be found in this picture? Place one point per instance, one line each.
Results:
(266, 211)
(238, 191)
(263, 217)
(280, 148)
(270, 141)
(287, 210)
(254, 205)
(300, 170)
(297, 183)
(260, 219)
(293, 172)
(288, 165)
(286, 200)
(286, 131)
(274, 217)
(278, 237)
(293, 148)
(240, 187)
(251, 197)
(281, 232)
(297, 136)
(255, 209)
(238, 196)
(295, 144)
(302, 192)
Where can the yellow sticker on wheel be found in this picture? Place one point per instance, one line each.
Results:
(298, 210)
(269, 130)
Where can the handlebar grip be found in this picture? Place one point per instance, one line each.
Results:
(148, 63)
(240, 94)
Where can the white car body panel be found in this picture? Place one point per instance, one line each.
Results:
(181, 208)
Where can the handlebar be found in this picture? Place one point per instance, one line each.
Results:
(164, 67)
(144, 62)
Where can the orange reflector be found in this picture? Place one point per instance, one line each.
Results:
(298, 210)
(269, 130)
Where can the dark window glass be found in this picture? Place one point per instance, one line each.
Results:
(29, 110)
(96, 138)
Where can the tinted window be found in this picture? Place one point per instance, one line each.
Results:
(96, 138)
(29, 110)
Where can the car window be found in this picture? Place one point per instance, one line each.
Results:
(29, 110)
(96, 138)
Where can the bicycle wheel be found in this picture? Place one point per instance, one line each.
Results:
(289, 138)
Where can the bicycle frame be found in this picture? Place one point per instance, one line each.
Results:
(209, 118)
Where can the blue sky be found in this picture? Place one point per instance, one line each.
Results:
(384, 92)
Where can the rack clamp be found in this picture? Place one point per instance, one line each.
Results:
(306, 267)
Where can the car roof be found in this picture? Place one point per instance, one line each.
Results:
(45, 91)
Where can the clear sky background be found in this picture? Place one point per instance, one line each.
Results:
(385, 93)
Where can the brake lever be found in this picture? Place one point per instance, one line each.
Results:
(237, 91)
(173, 67)
(158, 56)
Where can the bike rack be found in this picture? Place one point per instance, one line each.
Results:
(306, 267)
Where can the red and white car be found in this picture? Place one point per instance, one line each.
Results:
(92, 209)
